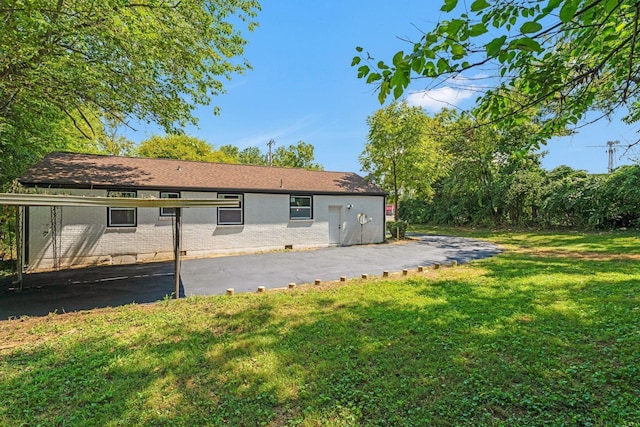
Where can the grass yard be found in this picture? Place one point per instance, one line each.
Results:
(547, 333)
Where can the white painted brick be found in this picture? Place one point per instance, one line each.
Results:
(86, 239)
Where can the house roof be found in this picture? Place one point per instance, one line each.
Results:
(72, 170)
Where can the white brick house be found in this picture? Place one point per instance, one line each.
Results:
(280, 208)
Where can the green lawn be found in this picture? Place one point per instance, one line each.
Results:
(547, 333)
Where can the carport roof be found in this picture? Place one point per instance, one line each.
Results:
(72, 170)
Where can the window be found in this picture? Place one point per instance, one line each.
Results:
(121, 217)
(300, 207)
(168, 195)
(230, 216)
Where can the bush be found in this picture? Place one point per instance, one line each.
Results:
(619, 198)
(398, 229)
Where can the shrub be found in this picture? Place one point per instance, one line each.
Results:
(398, 229)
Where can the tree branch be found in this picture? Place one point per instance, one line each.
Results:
(73, 119)
(631, 55)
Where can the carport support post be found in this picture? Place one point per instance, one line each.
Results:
(20, 227)
(176, 255)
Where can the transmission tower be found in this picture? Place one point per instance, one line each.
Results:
(611, 151)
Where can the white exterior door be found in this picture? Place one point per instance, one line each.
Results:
(335, 225)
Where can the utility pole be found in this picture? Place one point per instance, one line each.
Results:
(271, 143)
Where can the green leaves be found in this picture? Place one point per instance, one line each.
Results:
(400, 78)
(453, 27)
(558, 58)
(526, 44)
(384, 91)
(449, 5)
(457, 51)
(399, 153)
(611, 5)
(494, 46)
(363, 71)
(300, 155)
(373, 77)
(477, 30)
(116, 60)
(176, 147)
(551, 5)
(530, 27)
(442, 66)
(479, 5)
(568, 10)
(398, 58)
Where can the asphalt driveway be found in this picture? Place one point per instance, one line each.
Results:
(87, 288)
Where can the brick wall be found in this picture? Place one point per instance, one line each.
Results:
(83, 237)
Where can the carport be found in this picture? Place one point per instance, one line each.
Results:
(23, 200)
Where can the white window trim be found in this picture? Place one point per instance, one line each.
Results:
(240, 197)
(163, 212)
(114, 193)
(310, 207)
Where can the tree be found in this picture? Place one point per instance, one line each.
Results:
(522, 195)
(296, 156)
(109, 142)
(554, 61)
(84, 62)
(30, 135)
(617, 197)
(246, 156)
(252, 156)
(181, 147)
(231, 151)
(569, 197)
(482, 173)
(399, 155)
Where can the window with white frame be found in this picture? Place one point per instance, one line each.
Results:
(300, 207)
(231, 216)
(121, 217)
(168, 195)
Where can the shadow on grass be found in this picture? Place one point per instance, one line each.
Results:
(491, 345)
(610, 242)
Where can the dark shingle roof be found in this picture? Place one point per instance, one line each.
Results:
(73, 170)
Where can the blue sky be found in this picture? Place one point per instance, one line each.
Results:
(302, 86)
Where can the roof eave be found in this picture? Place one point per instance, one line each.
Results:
(88, 186)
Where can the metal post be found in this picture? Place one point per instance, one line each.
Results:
(176, 245)
(20, 244)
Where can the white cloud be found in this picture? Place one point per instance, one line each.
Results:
(451, 94)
